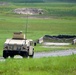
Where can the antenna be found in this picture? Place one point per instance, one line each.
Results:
(26, 24)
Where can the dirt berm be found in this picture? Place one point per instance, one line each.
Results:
(30, 11)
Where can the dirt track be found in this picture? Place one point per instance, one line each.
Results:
(55, 53)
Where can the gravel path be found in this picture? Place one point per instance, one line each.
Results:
(52, 43)
(55, 53)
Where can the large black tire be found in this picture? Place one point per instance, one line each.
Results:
(12, 56)
(5, 54)
(24, 54)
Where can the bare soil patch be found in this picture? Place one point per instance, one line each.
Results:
(29, 11)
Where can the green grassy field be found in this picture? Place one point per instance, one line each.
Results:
(61, 19)
(39, 66)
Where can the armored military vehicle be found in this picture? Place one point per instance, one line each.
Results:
(18, 45)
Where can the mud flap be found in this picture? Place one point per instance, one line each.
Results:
(31, 50)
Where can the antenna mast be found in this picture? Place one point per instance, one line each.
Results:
(26, 24)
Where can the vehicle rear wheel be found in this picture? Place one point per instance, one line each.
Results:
(12, 56)
(5, 54)
(24, 54)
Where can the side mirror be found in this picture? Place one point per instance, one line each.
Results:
(34, 43)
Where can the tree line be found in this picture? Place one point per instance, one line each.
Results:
(37, 1)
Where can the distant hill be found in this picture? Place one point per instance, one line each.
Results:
(38, 1)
